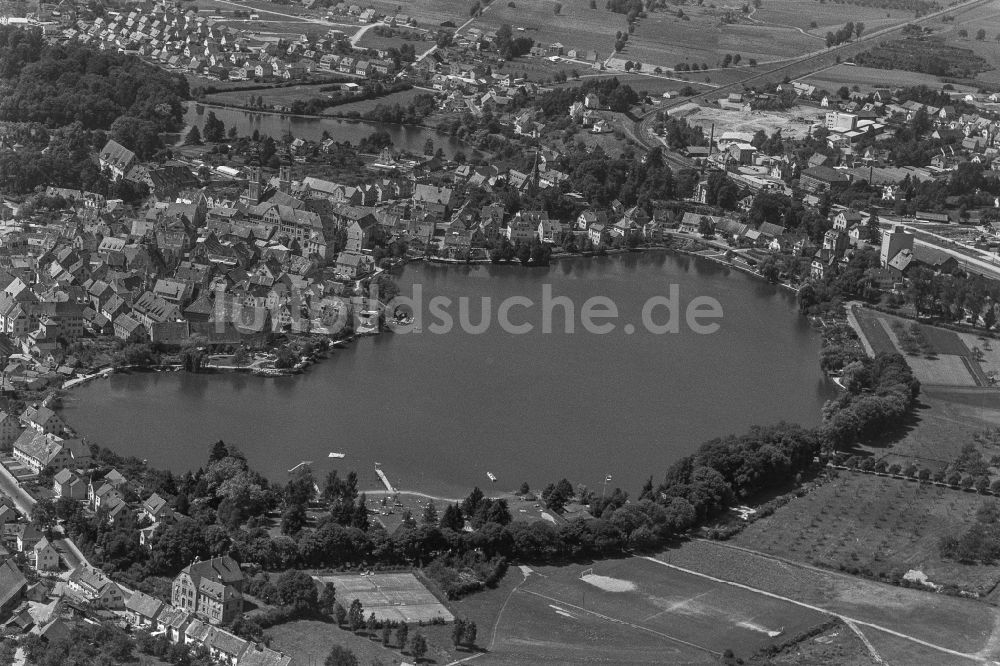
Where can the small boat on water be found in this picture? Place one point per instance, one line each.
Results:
(337, 455)
(491, 476)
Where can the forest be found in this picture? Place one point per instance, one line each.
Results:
(60, 85)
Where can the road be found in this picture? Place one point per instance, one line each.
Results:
(12, 489)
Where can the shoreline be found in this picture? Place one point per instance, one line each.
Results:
(436, 491)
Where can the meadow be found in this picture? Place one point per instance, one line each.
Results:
(953, 623)
(877, 526)
(636, 611)
(867, 78)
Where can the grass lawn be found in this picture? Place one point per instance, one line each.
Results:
(270, 95)
(945, 420)
(577, 26)
(635, 611)
(876, 525)
(867, 78)
(828, 16)
(951, 622)
(363, 106)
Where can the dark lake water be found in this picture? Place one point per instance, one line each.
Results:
(404, 137)
(439, 411)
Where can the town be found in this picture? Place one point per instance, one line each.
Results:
(149, 224)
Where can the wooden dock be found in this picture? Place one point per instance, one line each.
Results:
(385, 480)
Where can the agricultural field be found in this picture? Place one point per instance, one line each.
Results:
(878, 526)
(402, 98)
(636, 611)
(937, 356)
(428, 13)
(271, 95)
(371, 40)
(577, 27)
(827, 15)
(869, 78)
(949, 622)
(946, 420)
(981, 17)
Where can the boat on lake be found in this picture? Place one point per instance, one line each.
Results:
(337, 455)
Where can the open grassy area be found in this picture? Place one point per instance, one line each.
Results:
(363, 106)
(949, 622)
(827, 15)
(270, 95)
(878, 526)
(577, 26)
(634, 611)
(945, 420)
(867, 78)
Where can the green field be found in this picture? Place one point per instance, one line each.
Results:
(875, 525)
(985, 17)
(949, 622)
(634, 611)
(867, 78)
(271, 96)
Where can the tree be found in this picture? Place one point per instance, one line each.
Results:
(43, 514)
(963, 33)
(470, 633)
(328, 600)
(215, 129)
(386, 633)
(218, 452)
(401, 633)
(859, 28)
(341, 656)
(418, 646)
(557, 8)
(458, 632)
(705, 227)
(339, 614)
(980, 34)
(430, 515)
(297, 590)
(356, 616)
(452, 518)
(874, 229)
(193, 137)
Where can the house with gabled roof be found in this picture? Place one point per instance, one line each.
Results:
(46, 557)
(68, 484)
(142, 610)
(94, 586)
(39, 451)
(212, 589)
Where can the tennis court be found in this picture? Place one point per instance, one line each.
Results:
(395, 597)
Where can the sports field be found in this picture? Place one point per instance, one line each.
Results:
(395, 597)
(634, 611)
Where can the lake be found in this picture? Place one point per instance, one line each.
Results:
(404, 137)
(439, 411)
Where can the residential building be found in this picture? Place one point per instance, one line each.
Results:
(212, 589)
(93, 586)
(46, 557)
(38, 451)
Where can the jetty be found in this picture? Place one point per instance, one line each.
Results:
(385, 480)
